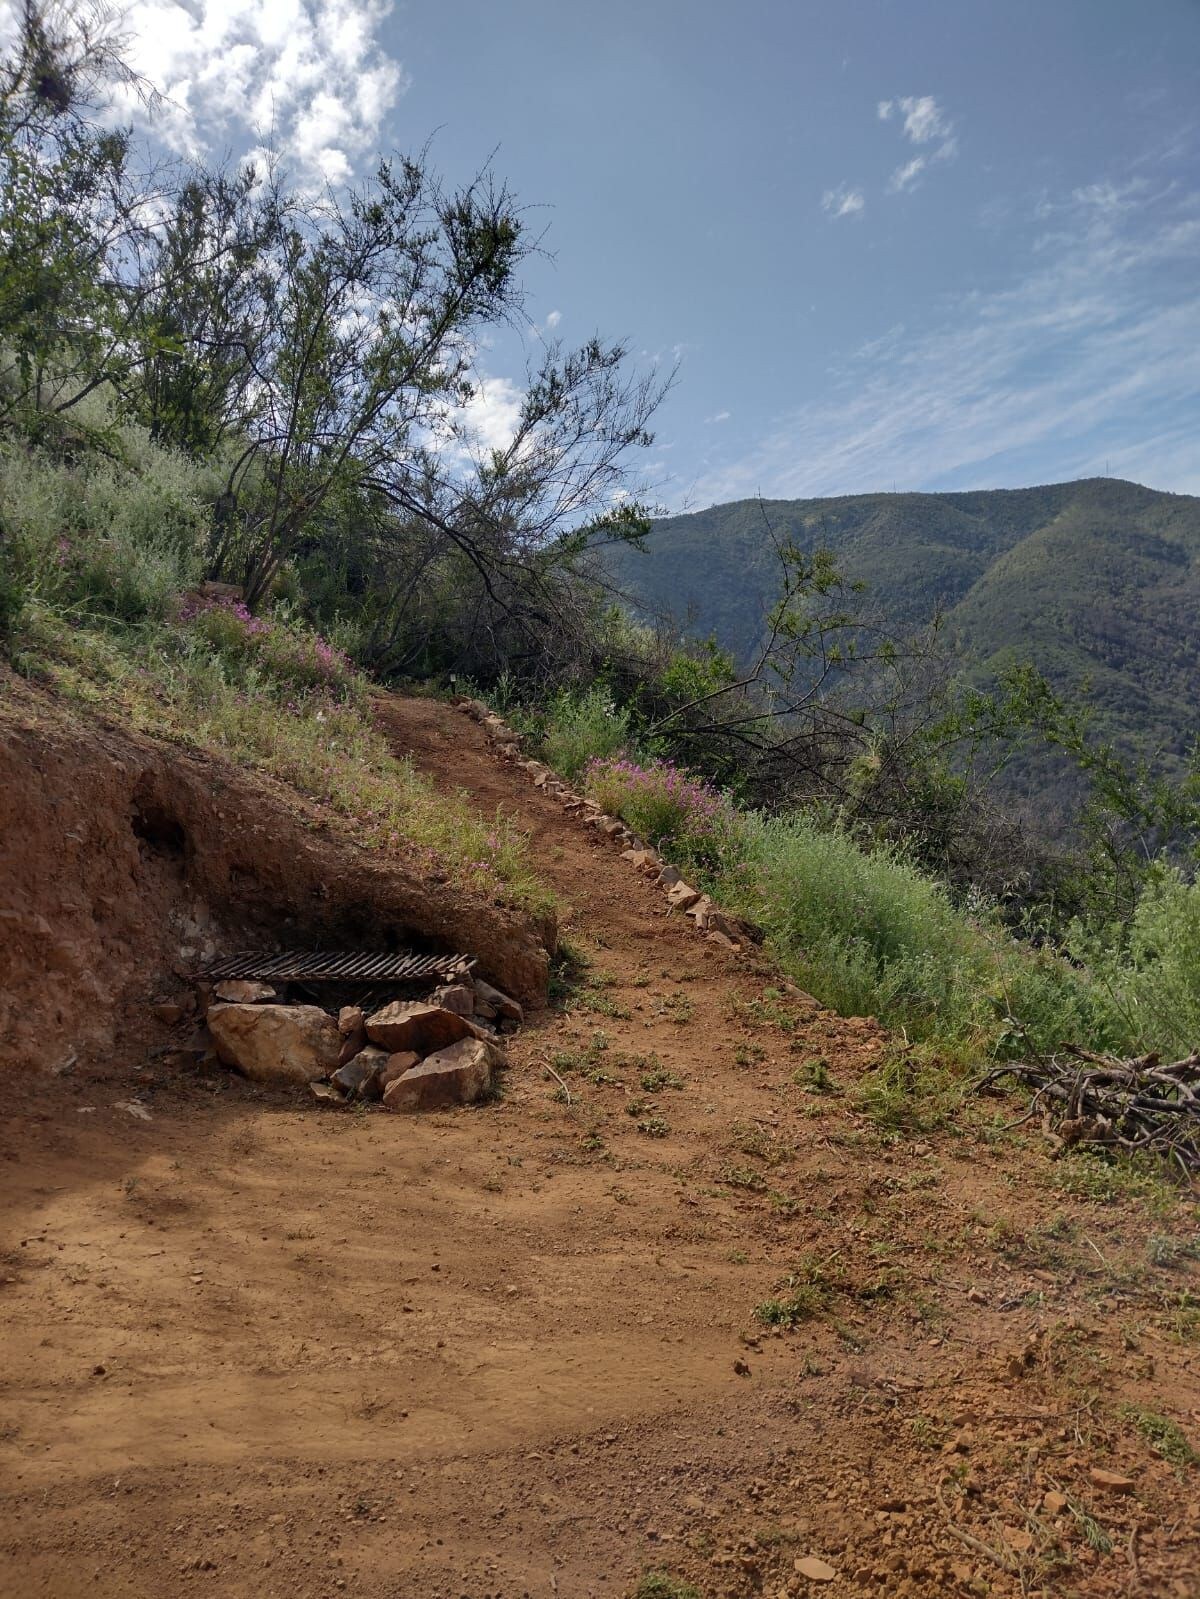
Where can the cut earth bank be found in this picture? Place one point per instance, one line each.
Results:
(254, 1349)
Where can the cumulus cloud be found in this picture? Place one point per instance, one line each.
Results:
(922, 122)
(309, 76)
(843, 201)
(1088, 356)
(553, 320)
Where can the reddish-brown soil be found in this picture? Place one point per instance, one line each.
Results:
(253, 1347)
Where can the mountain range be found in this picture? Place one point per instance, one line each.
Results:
(1097, 582)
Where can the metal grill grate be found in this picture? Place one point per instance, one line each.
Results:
(336, 966)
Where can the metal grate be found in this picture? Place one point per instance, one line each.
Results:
(336, 966)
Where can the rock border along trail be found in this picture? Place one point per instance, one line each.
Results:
(256, 1349)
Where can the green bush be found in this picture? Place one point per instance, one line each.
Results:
(871, 934)
(581, 728)
(665, 805)
(1161, 983)
(104, 539)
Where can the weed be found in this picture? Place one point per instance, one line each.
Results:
(568, 969)
(1166, 1437)
(749, 1054)
(658, 1078)
(659, 1585)
(679, 1008)
(814, 1075)
(908, 1094)
(742, 1177)
(804, 1303)
(1094, 1534)
(653, 1127)
(1167, 1251)
(925, 1431)
(1106, 1178)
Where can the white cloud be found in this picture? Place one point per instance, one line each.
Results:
(309, 75)
(718, 416)
(843, 201)
(904, 177)
(490, 417)
(924, 123)
(1089, 356)
(923, 118)
(553, 320)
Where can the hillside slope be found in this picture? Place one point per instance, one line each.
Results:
(1095, 581)
(259, 1348)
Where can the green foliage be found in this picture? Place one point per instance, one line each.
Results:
(583, 727)
(664, 805)
(1090, 577)
(104, 538)
(661, 1585)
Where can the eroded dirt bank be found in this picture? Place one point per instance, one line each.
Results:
(126, 864)
(257, 1349)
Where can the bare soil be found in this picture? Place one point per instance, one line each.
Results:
(253, 1347)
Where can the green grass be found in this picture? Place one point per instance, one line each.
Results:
(1166, 1437)
(99, 558)
(660, 1585)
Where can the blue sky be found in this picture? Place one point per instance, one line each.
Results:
(923, 243)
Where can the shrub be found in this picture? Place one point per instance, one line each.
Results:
(286, 658)
(664, 805)
(104, 539)
(581, 728)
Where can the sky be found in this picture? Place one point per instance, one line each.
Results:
(910, 244)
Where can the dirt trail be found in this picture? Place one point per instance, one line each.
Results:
(253, 1348)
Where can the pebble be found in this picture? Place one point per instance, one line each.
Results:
(815, 1570)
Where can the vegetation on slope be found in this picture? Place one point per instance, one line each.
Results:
(1093, 582)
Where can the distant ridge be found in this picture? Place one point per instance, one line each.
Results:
(1097, 581)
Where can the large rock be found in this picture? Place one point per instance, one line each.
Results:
(454, 1076)
(417, 1025)
(276, 1043)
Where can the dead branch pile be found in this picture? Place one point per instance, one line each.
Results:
(1136, 1105)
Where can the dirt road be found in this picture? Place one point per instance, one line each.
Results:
(254, 1348)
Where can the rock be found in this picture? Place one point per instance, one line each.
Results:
(236, 992)
(326, 1093)
(668, 877)
(394, 1066)
(501, 1004)
(350, 1019)
(168, 1013)
(454, 1076)
(417, 1025)
(276, 1043)
(361, 1077)
(1113, 1482)
(682, 896)
(458, 997)
(815, 1570)
(720, 941)
(352, 1043)
(1054, 1503)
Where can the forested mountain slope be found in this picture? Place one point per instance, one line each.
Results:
(1096, 581)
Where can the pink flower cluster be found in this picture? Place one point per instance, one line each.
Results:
(194, 605)
(659, 800)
